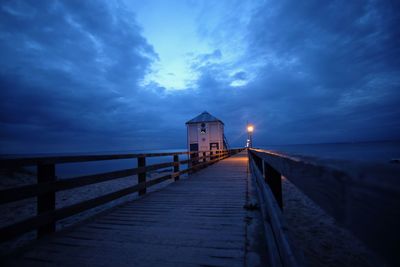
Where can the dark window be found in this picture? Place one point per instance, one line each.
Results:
(203, 128)
(214, 146)
(194, 147)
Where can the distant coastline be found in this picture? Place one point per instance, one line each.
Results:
(336, 143)
(375, 151)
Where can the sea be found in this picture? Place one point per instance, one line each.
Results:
(68, 170)
(378, 152)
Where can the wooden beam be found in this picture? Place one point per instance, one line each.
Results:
(274, 180)
(46, 202)
(176, 166)
(142, 174)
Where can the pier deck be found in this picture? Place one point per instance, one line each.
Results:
(198, 221)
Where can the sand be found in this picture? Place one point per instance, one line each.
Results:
(321, 240)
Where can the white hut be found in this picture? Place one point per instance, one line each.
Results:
(205, 132)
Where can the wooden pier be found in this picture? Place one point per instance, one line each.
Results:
(195, 222)
(228, 214)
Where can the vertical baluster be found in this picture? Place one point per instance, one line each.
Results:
(274, 180)
(142, 174)
(176, 166)
(46, 202)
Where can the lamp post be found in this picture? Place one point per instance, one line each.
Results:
(250, 130)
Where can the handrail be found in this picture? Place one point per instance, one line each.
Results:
(279, 248)
(47, 185)
(362, 197)
(30, 161)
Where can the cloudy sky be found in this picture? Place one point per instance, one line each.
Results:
(121, 75)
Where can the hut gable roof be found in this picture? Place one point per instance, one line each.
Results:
(204, 117)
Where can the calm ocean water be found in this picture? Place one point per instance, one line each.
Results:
(67, 170)
(368, 151)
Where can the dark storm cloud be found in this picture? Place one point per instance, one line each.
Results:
(330, 73)
(66, 71)
(333, 69)
(70, 75)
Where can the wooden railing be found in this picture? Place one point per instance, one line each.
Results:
(362, 197)
(268, 183)
(47, 184)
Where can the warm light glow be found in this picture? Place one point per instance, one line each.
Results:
(250, 128)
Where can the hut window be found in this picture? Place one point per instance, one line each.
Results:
(203, 128)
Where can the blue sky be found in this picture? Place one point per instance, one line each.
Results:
(120, 75)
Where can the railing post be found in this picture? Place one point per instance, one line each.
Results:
(194, 158)
(191, 162)
(204, 157)
(176, 167)
(211, 155)
(142, 175)
(46, 202)
(274, 180)
(264, 171)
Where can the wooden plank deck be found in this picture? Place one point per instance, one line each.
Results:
(198, 221)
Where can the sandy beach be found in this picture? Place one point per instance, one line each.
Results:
(317, 235)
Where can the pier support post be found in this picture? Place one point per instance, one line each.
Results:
(176, 167)
(142, 175)
(274, 180)
(46, 202)
(264, 171)
(204, 157)
(190, 163)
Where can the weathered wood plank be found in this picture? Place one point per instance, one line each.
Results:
(46, 202)
(176, 167)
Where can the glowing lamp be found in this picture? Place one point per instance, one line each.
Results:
(250, 128)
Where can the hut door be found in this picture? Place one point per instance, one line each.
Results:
(194, 147)
(214, 146)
